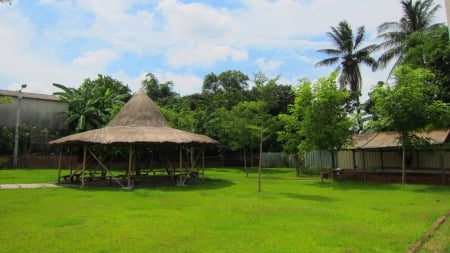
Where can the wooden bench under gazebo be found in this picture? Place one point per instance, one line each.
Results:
(139, 124)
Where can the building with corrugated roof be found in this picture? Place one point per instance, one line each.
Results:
(37, 110)
(379, 155)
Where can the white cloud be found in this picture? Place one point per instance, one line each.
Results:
(196, 22)
(267, 65)
(204, 55)
(183, 84)
(83, 38)
(99, 58)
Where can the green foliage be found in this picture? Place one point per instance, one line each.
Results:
(291, 135)
(417, 17)
(94, 103)
(317, 119)
(161, 93)
(432, 52)
(5, 100)
(347, 50)
(32, 140)
(226, 89)
(410, 105)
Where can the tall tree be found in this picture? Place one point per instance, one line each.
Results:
(431, 52)
(417, 17)
(226, 89)
(409, 106)
(161, 93)
(348, 53)
(317, 120)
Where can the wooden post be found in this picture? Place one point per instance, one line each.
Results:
(71, 160)
(441, 164)
(354, 159)
(130, 164)
(181, 165)
(203, 162)
(364, 165)
(381, 159)
(59, 165)
(84, 165)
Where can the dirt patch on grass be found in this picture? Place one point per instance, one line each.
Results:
(421, 241)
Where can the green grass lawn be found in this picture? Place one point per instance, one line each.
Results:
(225, 213)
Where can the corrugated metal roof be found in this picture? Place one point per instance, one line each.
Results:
(29, 95)
(390, 139)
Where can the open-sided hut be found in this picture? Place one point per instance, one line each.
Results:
(378, 155)
(138, 124)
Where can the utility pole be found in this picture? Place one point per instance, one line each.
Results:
(16, 134)
(447, 8)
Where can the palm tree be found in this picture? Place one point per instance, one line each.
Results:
(349, 55)
(417, 17)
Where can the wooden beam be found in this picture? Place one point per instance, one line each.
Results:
(130, 164)
(59, 165)
(105, 168)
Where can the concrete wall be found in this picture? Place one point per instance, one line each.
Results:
(37, 110)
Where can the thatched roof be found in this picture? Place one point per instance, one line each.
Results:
(381, 140)
(139, 121)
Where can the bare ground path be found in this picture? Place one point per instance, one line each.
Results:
(27, 186)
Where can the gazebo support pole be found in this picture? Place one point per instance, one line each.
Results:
(130, 164)
(203, 162)
(84, 165)
(71, 160)
(59, 165)
(181, 165)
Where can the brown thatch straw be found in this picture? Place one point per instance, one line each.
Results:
(140, 121)
(139, 111)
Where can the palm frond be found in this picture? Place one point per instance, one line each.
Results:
(327, 62)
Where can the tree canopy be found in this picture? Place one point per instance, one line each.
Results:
(94, 103)
(409, 106)
(417, 17)
(317, 120)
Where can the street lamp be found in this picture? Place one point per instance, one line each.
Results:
(16, 135)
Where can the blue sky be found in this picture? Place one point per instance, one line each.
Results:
(65, 41)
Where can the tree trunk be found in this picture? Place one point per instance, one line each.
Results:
(260, 158)
(403, 163)
(245, 162)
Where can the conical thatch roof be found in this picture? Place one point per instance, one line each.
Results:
(139, 121)
(139, 111)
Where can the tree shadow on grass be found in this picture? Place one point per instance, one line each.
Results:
(351, 185)
(206, 184)
(319, 198)
(161, 184)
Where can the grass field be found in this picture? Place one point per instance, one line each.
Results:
(225, 213)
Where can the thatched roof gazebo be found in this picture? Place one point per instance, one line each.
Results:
(139, 122)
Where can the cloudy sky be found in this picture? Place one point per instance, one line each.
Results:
(66, 41)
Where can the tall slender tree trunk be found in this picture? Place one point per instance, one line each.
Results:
(260, 160)
(245, 162)
(403, 163)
